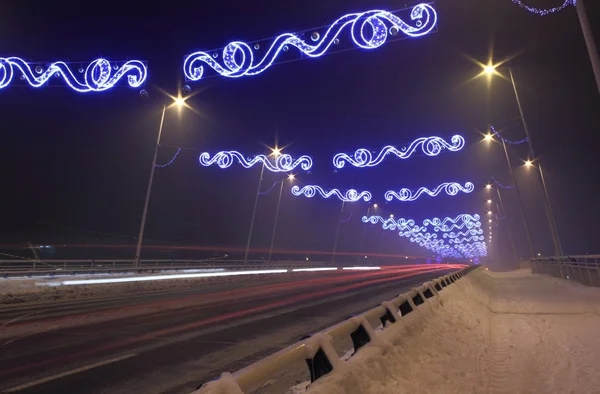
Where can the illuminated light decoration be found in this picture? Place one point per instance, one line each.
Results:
(494, 132)
(170, 161)
(268, 191)
(238, 56)
(412, 231)
(476, 249)
(501, 185)
(463, 234)
(314, 269)
(451, 189)
(464, 217)
(466, 239)
(431, 146)
(546, 11)
(282, 163)
(165, 277)
(361, 268)
(392, 224)
(468, 225)
(98, 76)
(351, 195)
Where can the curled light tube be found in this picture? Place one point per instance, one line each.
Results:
(170, 161)
(361, 268)
(98, 76)
(494, 132)
(238, 56)
(431, 146)
(282, 163)
(463, 233)
(351, 195)
(164, 277)
(544, 11)
(451, 189)
(314, 269)
(465, 217)
(466, 239)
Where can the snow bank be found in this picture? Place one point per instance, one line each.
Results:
(495, 333)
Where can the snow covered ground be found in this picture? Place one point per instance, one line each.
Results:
(495, 333)
(511, 332)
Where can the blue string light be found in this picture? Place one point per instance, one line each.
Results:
(501, 185)
(450, 188)
(464, 217)
(463, 233)
(98, 76)
(268, 191)
(494, 132)
(466, 239)
(170, 161)
(431, 146)
(541, 11)
(282, 163)
(238, 57)
(476, 249)
(351, 195)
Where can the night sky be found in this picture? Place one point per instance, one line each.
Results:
(76, 166)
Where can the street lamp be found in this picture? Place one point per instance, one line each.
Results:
(528, 163)
(490, 70)
(362, 238)
(178, 102)
(489, 201)
(290, 178)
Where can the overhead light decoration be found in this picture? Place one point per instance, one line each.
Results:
(494, 132)
(464, 217)
(431, 146)
(544, 11)
(238, 56)
(463, 234)
(466, 239)
(282, 163)
(450, 188)
(351, 195)
(98, 76)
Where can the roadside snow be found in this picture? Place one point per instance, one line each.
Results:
(495, 333)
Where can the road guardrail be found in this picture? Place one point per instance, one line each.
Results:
(584, 269)
(318, 351)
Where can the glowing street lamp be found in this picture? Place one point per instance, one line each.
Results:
(488, 137)
(489, 201)
(489, 212)
(528, 163)
(178, 102)
(488, 186)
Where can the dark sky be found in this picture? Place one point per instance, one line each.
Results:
(76, 166)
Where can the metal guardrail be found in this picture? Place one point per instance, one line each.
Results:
(72, 267)
(584, 269)
(318, 351)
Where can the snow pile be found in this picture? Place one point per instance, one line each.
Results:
(495, 333)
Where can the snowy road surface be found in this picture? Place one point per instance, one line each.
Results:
(496, 333)
(171, 341)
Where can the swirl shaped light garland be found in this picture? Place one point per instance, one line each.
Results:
(238, 56)
(464, 217)
(450, 188)
(351, 195)
(468, 225)
(475, 249)
(466, 239)
(463, 234)
(282, 163)
(431, 146)
(494, 132)
(98, 76)
(544, 11)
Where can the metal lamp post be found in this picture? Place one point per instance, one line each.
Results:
(291, 178)
(179, 102)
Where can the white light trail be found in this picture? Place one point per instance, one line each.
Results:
(163, 277)
(314, 269)
(361, 268)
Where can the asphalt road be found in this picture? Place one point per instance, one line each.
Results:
(171, 341)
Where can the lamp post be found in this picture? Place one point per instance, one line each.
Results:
(589, 40)
(178, 102)
(275, 152)
(337, 233)
(510, 234)
(290, 178)
(548, 206)
(362, 238)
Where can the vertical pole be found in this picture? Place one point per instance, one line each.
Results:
(512, 175)
(275, 223)
(140, 239)
(362, 238)
(589, 40)
(337, 233)
(512, 240)
(262, 170)
(549, 214)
